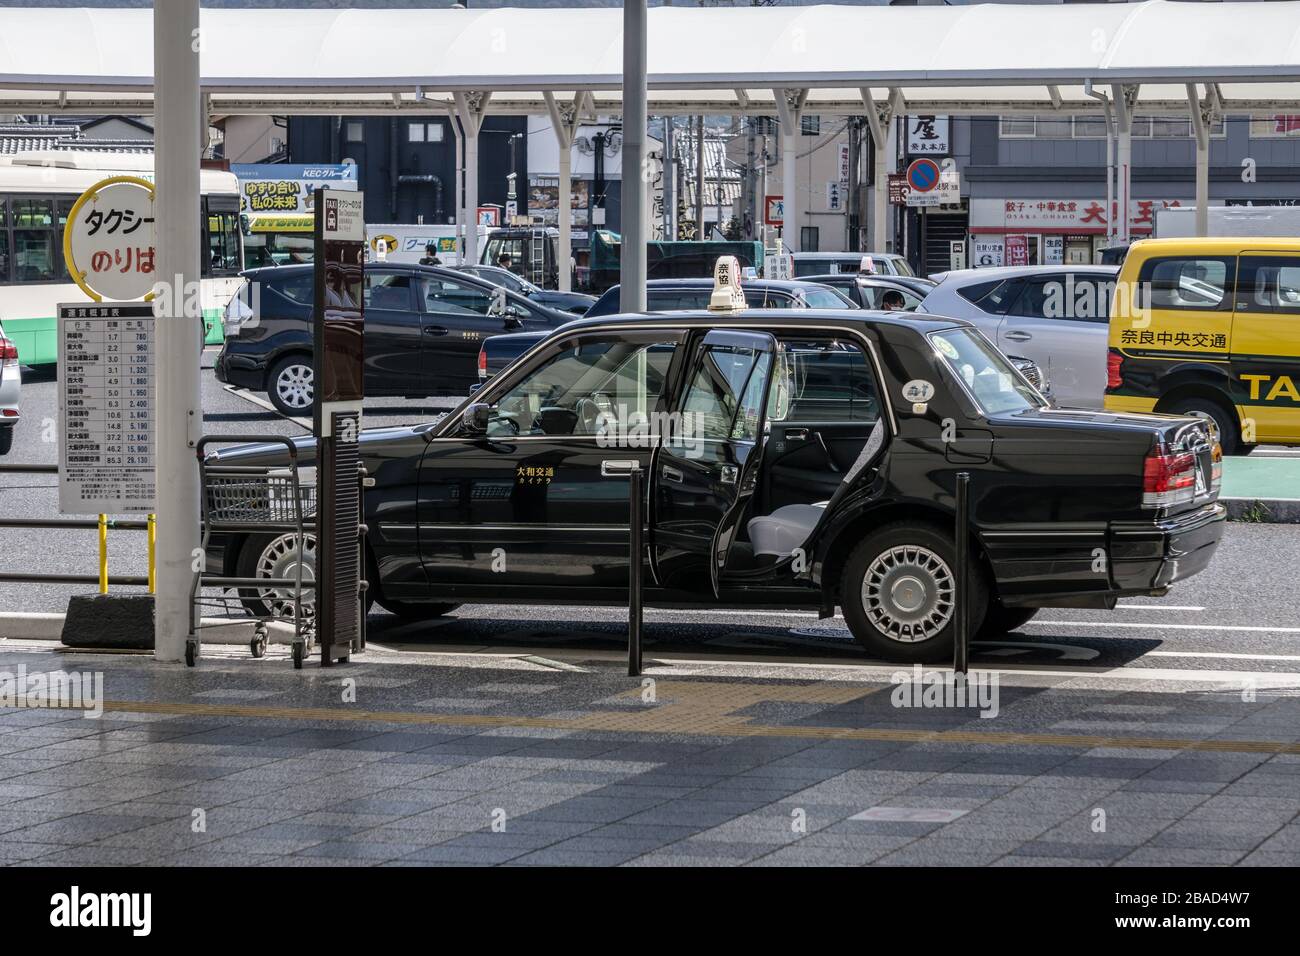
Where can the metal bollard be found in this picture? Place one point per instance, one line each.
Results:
(635, 548)
(631, 469)
(961, 641)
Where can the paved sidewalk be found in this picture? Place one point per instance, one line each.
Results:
(439, 758)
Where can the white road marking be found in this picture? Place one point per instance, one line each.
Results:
(260, 402)
(1158, 607)
(1226, 655)
(1173, 627)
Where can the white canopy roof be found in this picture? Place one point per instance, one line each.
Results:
(721, 60)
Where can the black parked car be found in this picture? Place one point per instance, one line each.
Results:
(423, 326)
(666, 295)
(792, 459)
(576, 302)
(867, 290)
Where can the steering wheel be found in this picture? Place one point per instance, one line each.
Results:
(589, 415)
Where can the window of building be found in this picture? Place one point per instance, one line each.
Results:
(424, 132)
(810, 125)
(809, 239)
(415, 132)
(355, 131)
(1016, 127)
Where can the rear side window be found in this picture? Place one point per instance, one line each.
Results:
(299, 288)
(1269, 284)
(823, 380)
(668, 300)
(1202, 283)
(992, 296)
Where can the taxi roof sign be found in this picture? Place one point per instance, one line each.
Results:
(727, 294)
(867, 265)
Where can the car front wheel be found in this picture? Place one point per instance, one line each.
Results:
(898, 592)
(291, 385)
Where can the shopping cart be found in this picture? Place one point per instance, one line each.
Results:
(254, 499)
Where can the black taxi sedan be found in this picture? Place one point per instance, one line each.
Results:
(792, 459)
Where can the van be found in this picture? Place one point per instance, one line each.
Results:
(1210, 327)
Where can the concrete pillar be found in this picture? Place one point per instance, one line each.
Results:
(565, 123)
(1201, 120)
(635, 184)
(1124, 97)
(178, 126)
(471, 108)
(879, 116)
(789, 113)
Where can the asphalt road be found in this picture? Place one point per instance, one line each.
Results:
(1241, 616)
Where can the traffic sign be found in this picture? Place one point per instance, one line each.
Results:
(774, 210)
(923, 175)
(109, 241)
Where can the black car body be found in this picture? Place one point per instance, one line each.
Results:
(575, 302)
(423, 327)
(866, 289)
(665, 295)
(826, 450)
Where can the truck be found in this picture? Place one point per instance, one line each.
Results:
(1179, 222)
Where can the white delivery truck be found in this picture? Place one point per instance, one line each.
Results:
(404, 242)
(1179, 222)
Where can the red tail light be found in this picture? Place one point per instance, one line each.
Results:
(1168, 477)
(1114, 369)
(482, 363)
(8, 351)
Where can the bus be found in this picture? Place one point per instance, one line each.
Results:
(37, 191)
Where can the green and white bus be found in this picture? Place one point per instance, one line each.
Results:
(37, 190)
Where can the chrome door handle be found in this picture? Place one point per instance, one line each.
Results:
(1017, 336)
(796, 434)
(673, 474)
(728, 474)
(618, 468)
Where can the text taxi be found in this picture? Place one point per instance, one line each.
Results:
(793, 459)
(1210, 327)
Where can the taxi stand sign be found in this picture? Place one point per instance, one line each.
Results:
(109, 243)
(727, 294)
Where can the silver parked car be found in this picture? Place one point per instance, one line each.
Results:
(11, 382)
(829, 263)
(1056, 315)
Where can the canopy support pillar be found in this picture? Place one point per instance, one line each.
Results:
(1203, 117)
(178, 118)
(472, 109)
(879, 116)
(789, 108)
(635, 212)
(564, 120)
(1124, 97)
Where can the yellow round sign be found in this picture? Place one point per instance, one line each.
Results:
(110, 240)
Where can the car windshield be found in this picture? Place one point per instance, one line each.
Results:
(991, 380)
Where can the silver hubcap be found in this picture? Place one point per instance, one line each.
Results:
(907, 593)
(280, 559)
(294, 385)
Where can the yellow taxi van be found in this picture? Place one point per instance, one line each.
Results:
(1210, 327)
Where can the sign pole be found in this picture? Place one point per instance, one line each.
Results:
(180, 421)
(338, 379)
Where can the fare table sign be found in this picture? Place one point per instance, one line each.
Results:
(106, 408)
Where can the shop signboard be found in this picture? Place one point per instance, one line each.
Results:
(288, 188)
(1016, 250)
(986, 251)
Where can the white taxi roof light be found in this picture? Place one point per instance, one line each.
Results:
(867, 265)
(727, 295)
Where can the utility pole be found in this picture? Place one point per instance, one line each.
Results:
(699, 177)
(632, 258)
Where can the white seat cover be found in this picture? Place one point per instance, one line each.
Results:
(788, 527)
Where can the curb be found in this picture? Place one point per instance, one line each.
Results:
(1262, 511)
(30, 626)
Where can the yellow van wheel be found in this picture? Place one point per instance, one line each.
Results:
(1225, 420)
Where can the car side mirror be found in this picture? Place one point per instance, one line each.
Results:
(475, 418)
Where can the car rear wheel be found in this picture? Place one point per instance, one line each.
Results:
(898, 592)
(276, 556)
(291, 385)
(6, 439)
(1197, 406)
